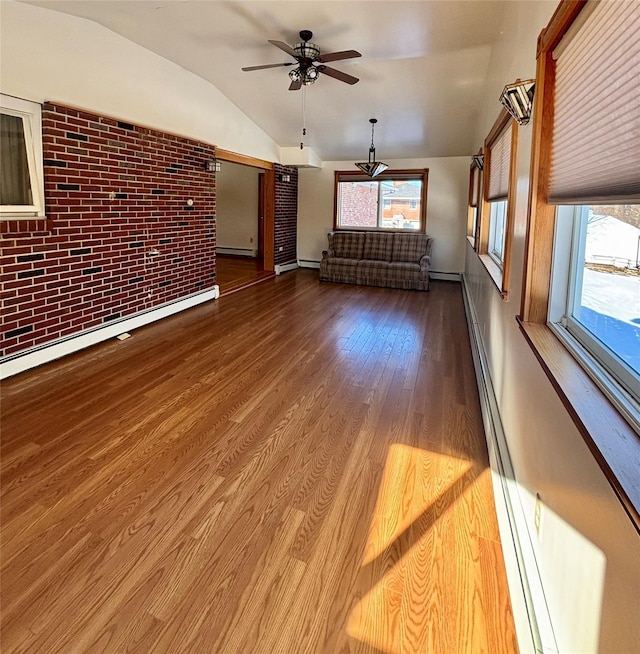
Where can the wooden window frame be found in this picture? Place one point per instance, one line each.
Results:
(339, 176)
(499, 274)
(612, 441)
(473, 236)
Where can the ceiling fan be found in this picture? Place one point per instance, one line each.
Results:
(309, 62)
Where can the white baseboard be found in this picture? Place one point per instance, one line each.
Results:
(308, 263)
(530, 613)
(446, 276)
(285, 267)
(238, 252)
(14, 364)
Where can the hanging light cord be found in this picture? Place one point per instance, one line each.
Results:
(304, 115)
(372, 147)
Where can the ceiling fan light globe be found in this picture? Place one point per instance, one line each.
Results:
(307, 50)
(295, 75)
(311, 75)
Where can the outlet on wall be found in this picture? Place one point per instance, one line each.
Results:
(537, 516)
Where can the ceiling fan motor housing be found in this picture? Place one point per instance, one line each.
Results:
(306, 49)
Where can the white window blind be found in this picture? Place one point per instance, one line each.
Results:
(499, 165)
(595, 150)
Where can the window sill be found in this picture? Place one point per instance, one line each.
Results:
(612, 441)
(494, 272)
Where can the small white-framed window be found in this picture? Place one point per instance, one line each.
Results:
(497, 230)
(21, 166)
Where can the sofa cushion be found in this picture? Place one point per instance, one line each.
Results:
(347, 245)
(378, 246)
(404, 266)
(339, 269)
(409, 247)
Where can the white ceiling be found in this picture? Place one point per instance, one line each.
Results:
(422, 70)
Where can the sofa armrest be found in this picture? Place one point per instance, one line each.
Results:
(429, 246)
(327, 254)
(425, 262)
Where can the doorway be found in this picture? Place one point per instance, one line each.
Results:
(244, 221)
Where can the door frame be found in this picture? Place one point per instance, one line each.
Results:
(267, 199)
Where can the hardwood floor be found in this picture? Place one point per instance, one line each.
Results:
(234, 273)
(295, 468)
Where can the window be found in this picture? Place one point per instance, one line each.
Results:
(498, 198)
(581, 279)
(497, 231)
(394, 201)
(21, 175)
(475, 195)
(603, 309)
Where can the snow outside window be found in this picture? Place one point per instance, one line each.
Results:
(602, 293)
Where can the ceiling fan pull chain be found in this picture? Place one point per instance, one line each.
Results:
(304, 116)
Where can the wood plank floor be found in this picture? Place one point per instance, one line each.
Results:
(234, 272)
(295, 468)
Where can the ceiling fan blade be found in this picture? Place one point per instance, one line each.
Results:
(338, 74)
(295, 86)
(285, 48)
(246, 68)
(337, 56)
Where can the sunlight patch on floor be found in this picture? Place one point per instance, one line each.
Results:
(412, 532)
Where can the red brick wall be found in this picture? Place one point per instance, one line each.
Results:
(402, 207)
(358, 205)
(286, 215)
(113, 193)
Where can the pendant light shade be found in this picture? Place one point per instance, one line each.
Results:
(372, 167)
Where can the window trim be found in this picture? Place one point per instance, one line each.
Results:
(473, 235)
(416, 173)
(499, 274)
(31, 114)
(612, 440)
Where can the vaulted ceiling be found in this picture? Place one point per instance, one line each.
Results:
(422, 70)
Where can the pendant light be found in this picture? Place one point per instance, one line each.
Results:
(372, 167)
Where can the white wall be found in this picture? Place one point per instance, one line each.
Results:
(47, 55)
(447, 194)
(237, 206)
(588, 552)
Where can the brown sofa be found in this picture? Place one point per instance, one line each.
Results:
(388, 259)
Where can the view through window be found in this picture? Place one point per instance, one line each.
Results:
(604, 297)
(394, 204)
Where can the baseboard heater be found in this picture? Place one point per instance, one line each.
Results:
(308, 263)
(238, 252)
(531, 616)
(285, 267)
(22, 361)
(445, 276)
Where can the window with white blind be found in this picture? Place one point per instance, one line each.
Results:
(582, 267)
(21, 173)
(497, 229)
